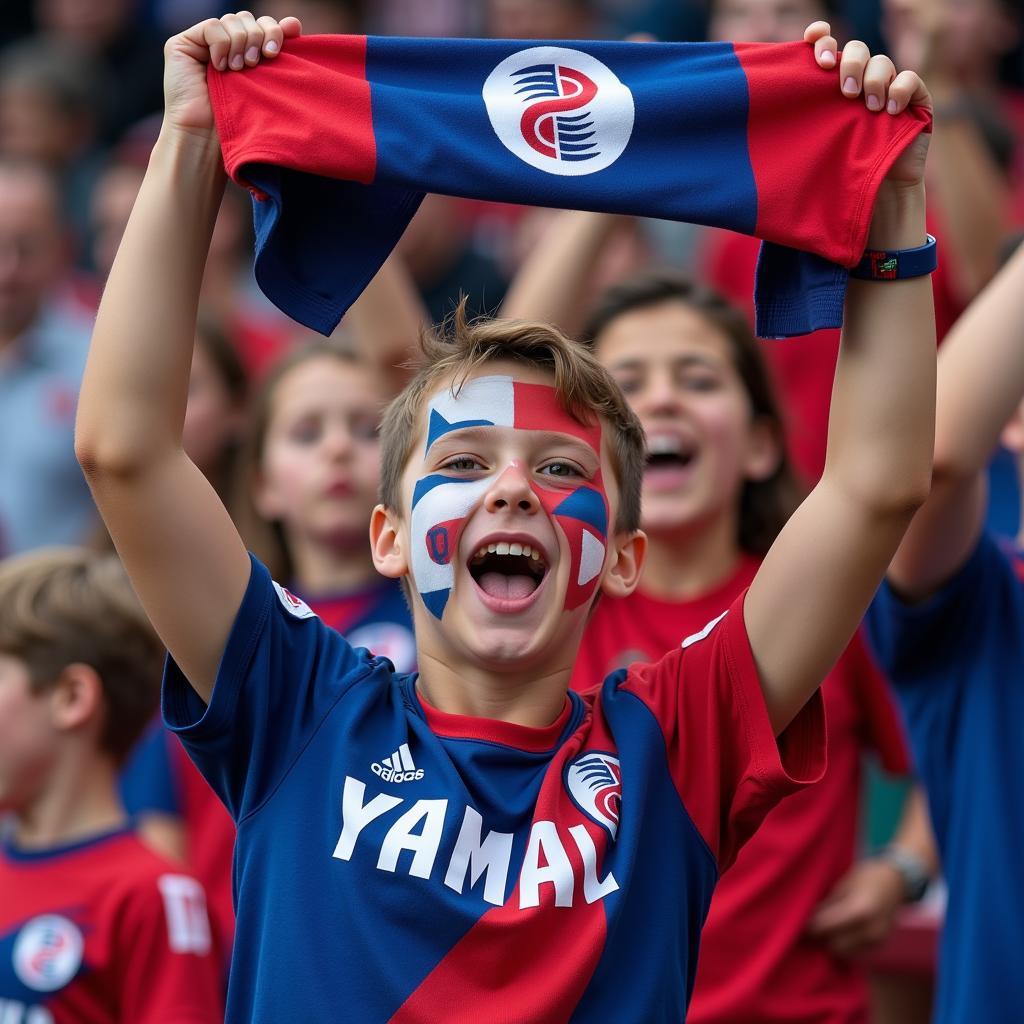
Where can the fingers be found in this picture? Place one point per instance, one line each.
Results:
(825, 46)
(237, 41)
(876, 79)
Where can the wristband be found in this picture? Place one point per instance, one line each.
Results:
(911, 869)
(897, 264)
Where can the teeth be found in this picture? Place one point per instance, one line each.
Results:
(664, 445)
(509, 548)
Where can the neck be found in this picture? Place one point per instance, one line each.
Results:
(80, 801)
(330, 568)
(521, 698)
(685, 563)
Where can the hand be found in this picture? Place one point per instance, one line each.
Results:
(875, 78)
(233, 42)
(860, 910)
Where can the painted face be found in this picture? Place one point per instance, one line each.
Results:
(441, 504)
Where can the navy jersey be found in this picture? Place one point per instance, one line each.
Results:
(957, 663)
(398, 863)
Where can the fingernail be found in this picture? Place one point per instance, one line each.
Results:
(828, 58)
(850, 85)
(891, 107)
(222, 64)
(271, 46)
(237, 62)
(252, 54)
(874, 103)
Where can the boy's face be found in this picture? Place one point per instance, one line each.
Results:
(509, 504)
(27, 736)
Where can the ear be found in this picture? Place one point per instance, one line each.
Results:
(764, 450)
(77, 698)
(386, 543)
(1013, 433)
(628, 552)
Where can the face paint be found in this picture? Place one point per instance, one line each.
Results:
(441, 503)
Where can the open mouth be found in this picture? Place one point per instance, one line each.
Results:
(508, 571)
(666, 453)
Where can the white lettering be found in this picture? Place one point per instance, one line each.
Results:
(390, 775)
(188, 927)
(593, 890)
(355, 816)
(424, 845)
(556, 869)
(470, 854)
(13, 1012)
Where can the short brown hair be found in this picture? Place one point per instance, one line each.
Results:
(765, 505)
(584, 388)
(68, 605)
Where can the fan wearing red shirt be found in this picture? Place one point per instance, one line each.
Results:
(717, 488)
(94, 927)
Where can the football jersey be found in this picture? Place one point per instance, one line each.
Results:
(103, 932)
(398, 863)
(756, 963)
(957, 664)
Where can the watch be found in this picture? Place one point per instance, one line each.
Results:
(897, 264)
(912, 870)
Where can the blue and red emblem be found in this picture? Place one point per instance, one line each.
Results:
(556, 122)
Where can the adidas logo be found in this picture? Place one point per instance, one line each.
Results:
(399, 767)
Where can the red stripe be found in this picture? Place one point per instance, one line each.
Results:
(537, 408)
(836, 184)
(532, 964)
(278, 88)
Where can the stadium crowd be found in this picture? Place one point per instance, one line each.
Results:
(887, 891)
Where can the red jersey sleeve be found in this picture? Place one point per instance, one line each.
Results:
(169, 972)
(727, 765)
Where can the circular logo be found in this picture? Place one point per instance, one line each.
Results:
(559, 110)
(387, 640)
(594, 781)
(48, 953)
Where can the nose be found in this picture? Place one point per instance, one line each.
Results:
(512, 491)
(338, 443)
(659, 396)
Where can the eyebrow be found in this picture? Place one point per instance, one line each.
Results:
(544, 437)
(683, 361)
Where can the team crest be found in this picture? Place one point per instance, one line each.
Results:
(48, 953)
(594, 781)
(559, 110)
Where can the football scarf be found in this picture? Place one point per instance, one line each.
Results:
(339, 138)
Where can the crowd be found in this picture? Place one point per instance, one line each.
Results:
(780, 481)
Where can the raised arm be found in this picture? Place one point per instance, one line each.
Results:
(182, 552)
(980, 384)
(385, 323)
(554, 280)
(818, 578)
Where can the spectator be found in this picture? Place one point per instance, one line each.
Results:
(43, 496)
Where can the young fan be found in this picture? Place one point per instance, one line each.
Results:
(949, 626)
(788, 915)
(93, 926)
(475, 842)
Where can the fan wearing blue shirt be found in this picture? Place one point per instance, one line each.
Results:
(949, 628)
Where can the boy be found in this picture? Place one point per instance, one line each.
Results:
(93, 926)
(949, 626)
(474, 843)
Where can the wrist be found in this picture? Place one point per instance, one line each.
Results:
(198, 150)
(898, 220)
(911, 868)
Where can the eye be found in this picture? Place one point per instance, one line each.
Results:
(629, 385)
(564, 470)
(462, 464)
(700, 382)
(304, 432)
(364, 428)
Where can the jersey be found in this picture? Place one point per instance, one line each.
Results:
(755, 962)
(161, 778)
(103, 932)
(427, 866)
(957, 663)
